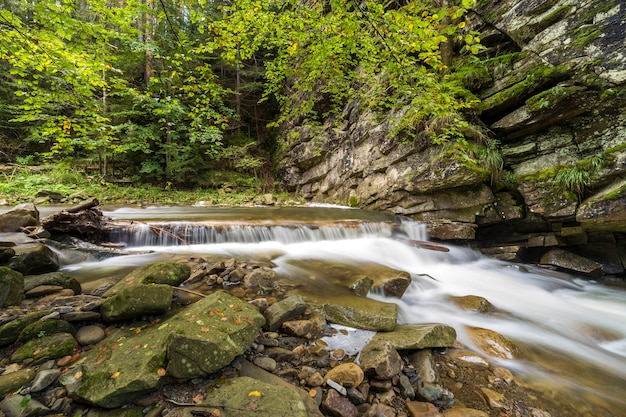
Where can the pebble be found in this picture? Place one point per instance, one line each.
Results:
(89, 335)
(266, 363)
(422, 409)
(347, 374)
(336, 405)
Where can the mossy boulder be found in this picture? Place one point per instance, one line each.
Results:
(146, 290)
(11, 330)
(136, 301)
(165, 273)
(196, 341)
(34, 258)
(39, 350)
(13, 381)
(43, 328)
(22, 215)
(11, 287)
(362, 313)
(52, 278)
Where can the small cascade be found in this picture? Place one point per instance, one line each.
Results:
(200, 233)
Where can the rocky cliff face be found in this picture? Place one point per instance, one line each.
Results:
(553, 95)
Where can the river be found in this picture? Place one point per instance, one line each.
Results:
(572, 331)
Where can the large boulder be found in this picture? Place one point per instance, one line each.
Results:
(23, 215)
(572, 263)
(196, 341)
(10, 331)
(34, 258)
(60, 279)
(11, 287)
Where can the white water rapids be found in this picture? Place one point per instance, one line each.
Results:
(572, 331)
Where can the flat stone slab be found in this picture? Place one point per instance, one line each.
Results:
(419, 336)
(362, 313)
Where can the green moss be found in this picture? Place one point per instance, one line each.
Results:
(354, 201)
(556, 15)
(549, 98)
(584, 35)
(538, 77)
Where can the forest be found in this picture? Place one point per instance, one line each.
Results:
(186, 93)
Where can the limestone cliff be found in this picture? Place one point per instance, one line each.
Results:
(552, 95)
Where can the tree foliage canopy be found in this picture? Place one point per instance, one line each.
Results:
(168, 89)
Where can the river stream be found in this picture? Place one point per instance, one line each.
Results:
(572, 331)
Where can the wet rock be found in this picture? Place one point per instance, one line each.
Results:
(34, 258)
(261, 278)
(605, 210)
(13, 381)
(283, 355)
(419, 336)
(41, 349)
(396, 286)
(422, 409)
(362, 313)
(405, 387)
(290, 308)
(347, 374)
(11, 330)
(23, 215)
(338, 406)
(42, 328)
(53, 278)
(473, 303)
(572, 263)
(493, 343)
(12, 406)
(379, 359)
(362, 286)
(11, 287)
(469, 359)
(89, 335)
(494, 398)
(44, 379)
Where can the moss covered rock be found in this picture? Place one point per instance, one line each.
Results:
(11, 287)
(11, 330)
(43, 328)
(41, 349)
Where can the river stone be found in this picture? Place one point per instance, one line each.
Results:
(468, 359)
(493, 343)
(23, 215)
(11, 287)
(34, 258)
(362, 313)
(473, 303)
(336, 405)
(136, 301)
(422, 409)
(44, 379)
(6, 254)
(396, 286)
(347, 374)
(605, 210)
(290, 308)
(49, 347)
(12, 406)
(379, 359)
(43, 328)
(419, 336)
(89, 335)
(13, 381)
(11, 330)
(362, 286)
(167, 273)
(251, 397)
(52, 278)
(573, 263)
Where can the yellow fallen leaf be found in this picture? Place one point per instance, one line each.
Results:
(313, 393)
(161, 372)
(115, 374)
(254, 394)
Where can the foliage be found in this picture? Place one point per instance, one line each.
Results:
(577, 178)
(163, 92)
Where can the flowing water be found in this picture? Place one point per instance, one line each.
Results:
(572, 331)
